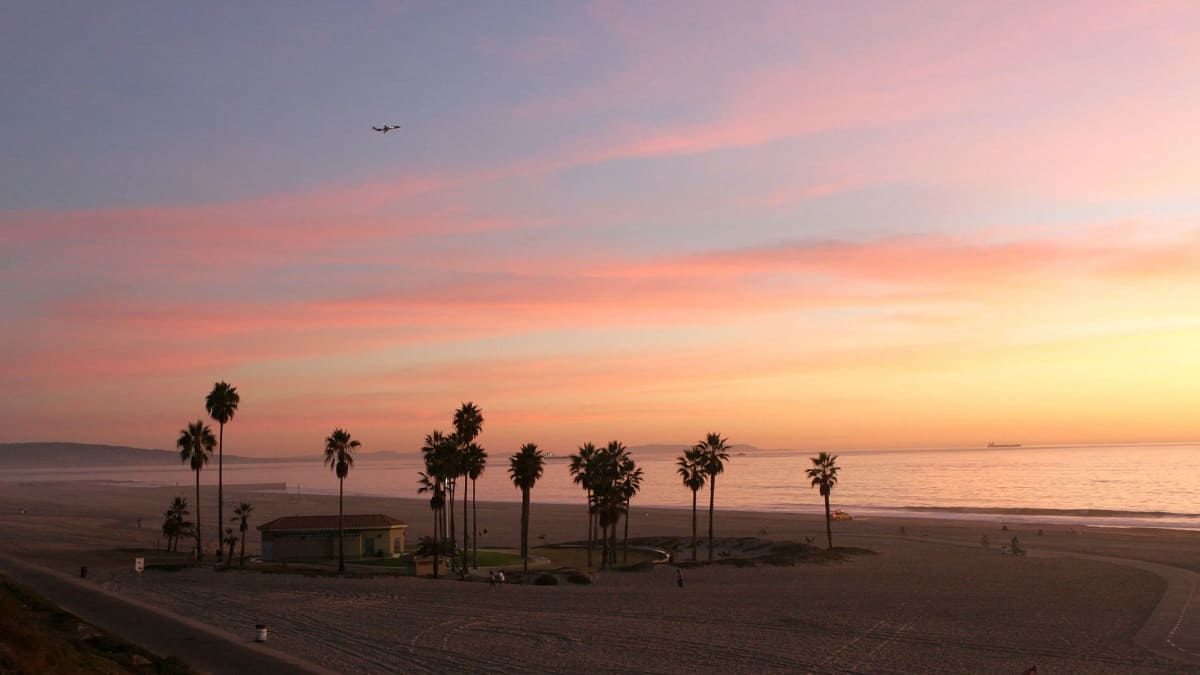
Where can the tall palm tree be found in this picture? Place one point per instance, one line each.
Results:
(430, 483)
(691, 470)
(241, 514)
(195, 444)
(339, 456)
(468, 423)
(221, 403)
(716, 453)
(475, 461)
(440, 454)
(581, 469)
(824, 474)
(525, 468)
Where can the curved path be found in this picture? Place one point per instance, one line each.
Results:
(200, 646)
(1172, 630)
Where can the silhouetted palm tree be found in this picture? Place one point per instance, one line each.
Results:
(716, 453)
(195, 445)
(174, 525)
(430, 483)
(221, 403)
(475, 461)
(441, 462)
(339, 456)
(525, 468)
(468, 423)
(581, 468)
(241, 514)
(691, 470)
(231, 540)
(824, 474)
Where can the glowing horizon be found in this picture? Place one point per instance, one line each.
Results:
(801, 226)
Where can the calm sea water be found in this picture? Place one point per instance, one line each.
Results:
(1149, 486)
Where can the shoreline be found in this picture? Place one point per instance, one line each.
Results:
(1024, 516)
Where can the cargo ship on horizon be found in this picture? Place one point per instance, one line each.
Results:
(994, 444)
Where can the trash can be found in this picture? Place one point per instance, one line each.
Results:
(83, 571)
(260, 632)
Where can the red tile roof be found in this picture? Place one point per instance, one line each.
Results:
(308, 523)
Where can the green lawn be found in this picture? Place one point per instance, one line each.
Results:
(577, 557)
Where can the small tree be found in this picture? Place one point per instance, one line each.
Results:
(241, 515)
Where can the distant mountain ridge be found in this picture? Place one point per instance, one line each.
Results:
(52, 455)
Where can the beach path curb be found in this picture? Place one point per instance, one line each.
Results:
(200, 646)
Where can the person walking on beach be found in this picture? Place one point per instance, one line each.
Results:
(492, 579)
(679, 577)
(500, 577)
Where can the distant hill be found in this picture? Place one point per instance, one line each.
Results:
(79, 455)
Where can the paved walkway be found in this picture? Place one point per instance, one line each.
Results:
(1172, 630)
(201, 647)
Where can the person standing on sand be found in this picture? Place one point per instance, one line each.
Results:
(679, 577)
(500, 577)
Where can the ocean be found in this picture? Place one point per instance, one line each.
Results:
(1110, 485)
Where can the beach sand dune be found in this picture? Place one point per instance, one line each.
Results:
(932, 600)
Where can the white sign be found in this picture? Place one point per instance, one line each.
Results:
(139, 564)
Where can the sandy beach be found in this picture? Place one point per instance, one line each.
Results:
(929, 598)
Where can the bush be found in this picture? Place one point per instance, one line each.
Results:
(445, 547)
(546, 580)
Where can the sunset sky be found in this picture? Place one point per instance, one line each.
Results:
(803, 225)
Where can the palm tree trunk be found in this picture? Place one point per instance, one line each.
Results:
(198, 545)
(466, 528)
(437, 539)
(603, 546)
(242, 556)
(453, 484)
(694, 525)
(712, 491)
(591, 526)
(341, 537)
(625, 543)
(828, 522)
(220, 486)
(525, 529)
(475, 519)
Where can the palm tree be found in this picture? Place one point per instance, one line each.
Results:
(195, 445)
(441, 462)
(630, 485)
(468, 423)
(581, 468)
(338, 455)
(691, 470)
(525, 468)
(221, 403)
(430, 483)
(231, 540)
(716, 453)
(174, 525)
(824, 474)
(241, 514)
(475, 461)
